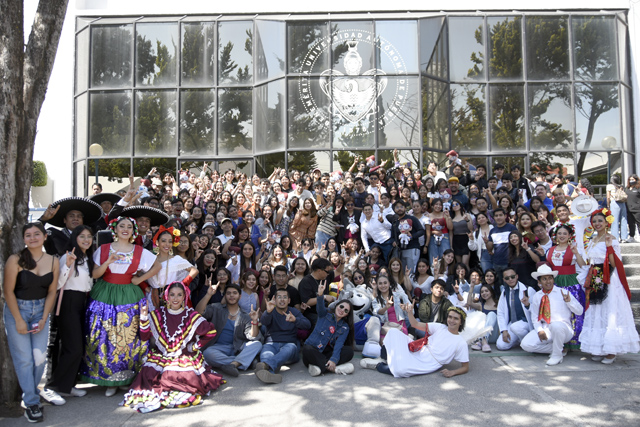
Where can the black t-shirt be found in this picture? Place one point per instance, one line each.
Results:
(308, 289)
(633, 199)
(294, 295)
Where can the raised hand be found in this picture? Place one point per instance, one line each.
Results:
(407, 271)
(321, 287)
(566, 297)
(254, 314)
(71, 257)
(525, 245)
(485, 237)
(390, 302)
(290, 317)
(471, 237)
(144, 311)
(50, 212)
(408, 307)
(271, 304)
(608, 239)
(380, 217)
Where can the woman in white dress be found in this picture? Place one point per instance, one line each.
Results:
(172, 268)
(608, 328)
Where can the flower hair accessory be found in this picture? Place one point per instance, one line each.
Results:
(175, 235)
(187, 291)
(114, 223)
(604, 212)
(571, 227)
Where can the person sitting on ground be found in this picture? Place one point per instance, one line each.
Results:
(281, 343)
(239, 340)
(514, 319)
(402, 358)
(551, 308)
(330, 345)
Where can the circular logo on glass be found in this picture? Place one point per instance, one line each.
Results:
(358, 98)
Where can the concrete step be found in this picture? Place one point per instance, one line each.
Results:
(630, 248)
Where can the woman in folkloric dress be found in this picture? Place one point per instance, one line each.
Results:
(608, 328)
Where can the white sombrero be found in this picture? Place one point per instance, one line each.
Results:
(544, 270)
(584, 205)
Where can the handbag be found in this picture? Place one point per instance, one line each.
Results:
(416, 345)
(620, 195)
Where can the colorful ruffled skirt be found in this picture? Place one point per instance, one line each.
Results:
(569, 282)
(114, 352)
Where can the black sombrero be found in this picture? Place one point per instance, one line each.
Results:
(156, 216)
(91, 210)
(105, 197)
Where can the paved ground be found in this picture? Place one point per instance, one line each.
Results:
(513, 388)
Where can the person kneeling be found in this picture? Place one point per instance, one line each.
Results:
(330, 345)
(281, 343)
(552, 326)
(439, 347)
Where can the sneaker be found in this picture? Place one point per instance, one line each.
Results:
(230, 370)
(110, 391)
(261, 366)
(75, 392)
(477, 346)
(314, 370)
(345, 369)
(24, 406)
(630, 240)
(554, 361)
(368, 363)
(267, 377)
(33, 414)
(607, 361)
(52, 397)
(486, 348)
(597, 358)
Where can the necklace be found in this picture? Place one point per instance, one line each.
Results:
(234, 315)
(40, 257)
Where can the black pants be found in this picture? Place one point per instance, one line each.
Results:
(71, 336)
(313, 356)
(633, 219)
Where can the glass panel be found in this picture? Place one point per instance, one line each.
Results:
(627, 138)
(156, 53)
(110, 122)
(354, 120)
(435, 114)
(111, 56)
(598, 167)
(466, 48)
(507, 117)
(471, 163)
(398, 46)
(112, 174)
(594, 41)
(80, 174)
(468, 121)
(407, 158)
(198, 54)
(439, 65)
(309, 114)
(306, 161)
(235, 66)
(430, 29)
(197, 119)
(307, 54)
(243, 165)
(155, 128)
(235, 122)
(343, 159)
(82, 109)
(270, 45)
(547, 47)
(267, 163)
(82, 61)
(164, 165)
(505, 47)
(550, 126)
(623, 54)
(352, 47)
(270, 110)
(398, 112)
(549, 163)
(432, 156)
(597, 116)
(507, 161)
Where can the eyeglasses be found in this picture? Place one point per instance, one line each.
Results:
(510, 277)
(282, 297)
(344, 309)
(306, 244)
(328, 271)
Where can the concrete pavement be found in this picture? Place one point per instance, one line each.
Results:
(507, 388)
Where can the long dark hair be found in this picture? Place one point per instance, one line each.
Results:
(200, 262)
(349, 319)
(73, 244)
(26, 260)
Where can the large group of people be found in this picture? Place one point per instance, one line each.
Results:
(163, 289)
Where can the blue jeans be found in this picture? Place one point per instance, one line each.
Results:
(486, 260)
(218, 355)
(409, 258)
(276, 354)
(321, 238)
(28, 351)
(435, 250)
(619, 228)
(492, 320)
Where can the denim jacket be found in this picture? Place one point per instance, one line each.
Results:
(321, 337)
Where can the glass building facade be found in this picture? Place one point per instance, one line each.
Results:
(548, 91)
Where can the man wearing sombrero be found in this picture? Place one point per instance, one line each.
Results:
(551, 310)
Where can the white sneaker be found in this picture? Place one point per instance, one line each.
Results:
(24, 406)
(110, 391)
(314, 370)
(597, 358)
(75, 392)
(345, 369)
(554, 361)
(368, 363)
(608, 361)
(52, 397)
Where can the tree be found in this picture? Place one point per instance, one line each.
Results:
(24, 73)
